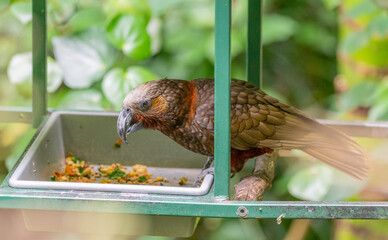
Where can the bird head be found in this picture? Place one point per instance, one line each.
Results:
(151, 105)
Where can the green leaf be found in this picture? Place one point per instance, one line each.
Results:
(323, 183)
(142, 179)
(82, 100)
(84, 58)
(60, 11)
(20, 74)
(311, 183)
(54, 75)
(14, 1)
(343, 186)
(129, 33)
(317, 37)
(242, 229)
(363, 8)
(112, 8)
(22, 11)
(4, 3)
(154, 29)
(86, 18)
(373, 38)
(277, 28)
(381, 93)
(360, 95)
(160, 9)
(55, 98)
(331, 4)
(375, 53)
(379, 111)
(117, 83)
(378, 27)
(19, 148)
(354, 41)
(117, 173)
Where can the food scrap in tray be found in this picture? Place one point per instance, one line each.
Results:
(77, 170)
(183, 181)
(118, 143)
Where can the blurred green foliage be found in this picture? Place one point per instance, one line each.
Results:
(363, 57)
(100, 49)
(174, 39)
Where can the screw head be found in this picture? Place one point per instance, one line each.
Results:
(242, 212)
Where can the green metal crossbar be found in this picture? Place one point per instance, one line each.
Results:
(16, 114)
(207, 206)
(215, 203)
(203, 206)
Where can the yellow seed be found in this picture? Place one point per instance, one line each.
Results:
(183, 181)
(159, 179)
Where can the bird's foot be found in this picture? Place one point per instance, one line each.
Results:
(252, 188)
(203, 173)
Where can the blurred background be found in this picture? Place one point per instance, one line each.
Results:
(327, 57)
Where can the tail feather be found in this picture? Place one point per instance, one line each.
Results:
(338, 150)
(347, 162)
(324, 143)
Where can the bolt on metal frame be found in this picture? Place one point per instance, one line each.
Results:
(213, 204)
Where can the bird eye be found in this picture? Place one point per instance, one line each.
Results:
(128, 110)
(144, 105)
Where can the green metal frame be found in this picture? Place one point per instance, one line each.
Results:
(16, 114)
(254, 46)
(39, 60)
(39, 73)
(215, 203)
(222, 99)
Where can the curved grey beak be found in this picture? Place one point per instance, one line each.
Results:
(125, 124)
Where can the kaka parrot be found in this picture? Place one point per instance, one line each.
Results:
(184, 111)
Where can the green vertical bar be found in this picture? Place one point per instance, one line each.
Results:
(222, 98)
(39, 53)
(254, 46)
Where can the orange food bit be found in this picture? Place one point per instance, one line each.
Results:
(70, 170)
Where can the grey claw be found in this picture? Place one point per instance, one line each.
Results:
(203, 173)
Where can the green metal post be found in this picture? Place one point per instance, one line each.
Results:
(254, 46)
(222, 99)
(39, 56)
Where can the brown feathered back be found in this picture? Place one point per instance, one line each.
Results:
(259, 120)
